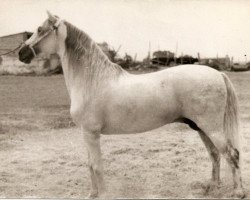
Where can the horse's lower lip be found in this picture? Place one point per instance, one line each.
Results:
(25, 60)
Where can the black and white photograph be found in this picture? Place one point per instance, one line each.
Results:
(124, 99)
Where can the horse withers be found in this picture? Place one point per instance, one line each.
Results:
(105, 99)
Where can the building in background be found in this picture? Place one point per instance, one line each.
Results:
(219, 63)
(9, 42)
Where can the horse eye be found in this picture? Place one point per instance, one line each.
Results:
(39, 30)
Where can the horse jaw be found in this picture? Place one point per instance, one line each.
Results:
(61, 37)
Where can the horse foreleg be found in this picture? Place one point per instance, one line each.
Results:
(94, 188)
(92, 141)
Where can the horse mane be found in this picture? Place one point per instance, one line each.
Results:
(82, 51)
(76, 42)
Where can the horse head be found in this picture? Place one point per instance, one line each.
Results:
(44, 40)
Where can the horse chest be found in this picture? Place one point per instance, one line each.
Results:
(85, 113)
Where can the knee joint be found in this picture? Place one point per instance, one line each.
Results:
(96, 168)
(215, 155)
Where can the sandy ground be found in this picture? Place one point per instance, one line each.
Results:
(42, 154)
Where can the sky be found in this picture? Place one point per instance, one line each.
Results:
(210, 27)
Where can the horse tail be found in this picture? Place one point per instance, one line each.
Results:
(231, 116)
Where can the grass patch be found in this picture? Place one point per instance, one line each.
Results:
(33, 103)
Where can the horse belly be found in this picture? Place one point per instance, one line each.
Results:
(131, 124)
(140, 113)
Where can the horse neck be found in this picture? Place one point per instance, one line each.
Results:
(85, 65)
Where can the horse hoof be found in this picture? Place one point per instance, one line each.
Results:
(103, 195)
(211, 187)
(92, 195)
(239, 193)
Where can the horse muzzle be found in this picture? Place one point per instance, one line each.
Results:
(26, 54)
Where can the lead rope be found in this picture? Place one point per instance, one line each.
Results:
(12, 50)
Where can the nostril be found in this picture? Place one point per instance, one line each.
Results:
(22, 51)
(20, 54)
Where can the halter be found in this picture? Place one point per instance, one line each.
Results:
(54, 27)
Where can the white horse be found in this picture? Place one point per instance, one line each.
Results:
(105, 99)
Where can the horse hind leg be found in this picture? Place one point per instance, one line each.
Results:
(232, 156)
(212, 150)
(215, 158)
(216, 143)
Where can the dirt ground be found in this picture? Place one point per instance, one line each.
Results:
(42, 154)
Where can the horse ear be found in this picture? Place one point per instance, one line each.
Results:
(51, 17)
